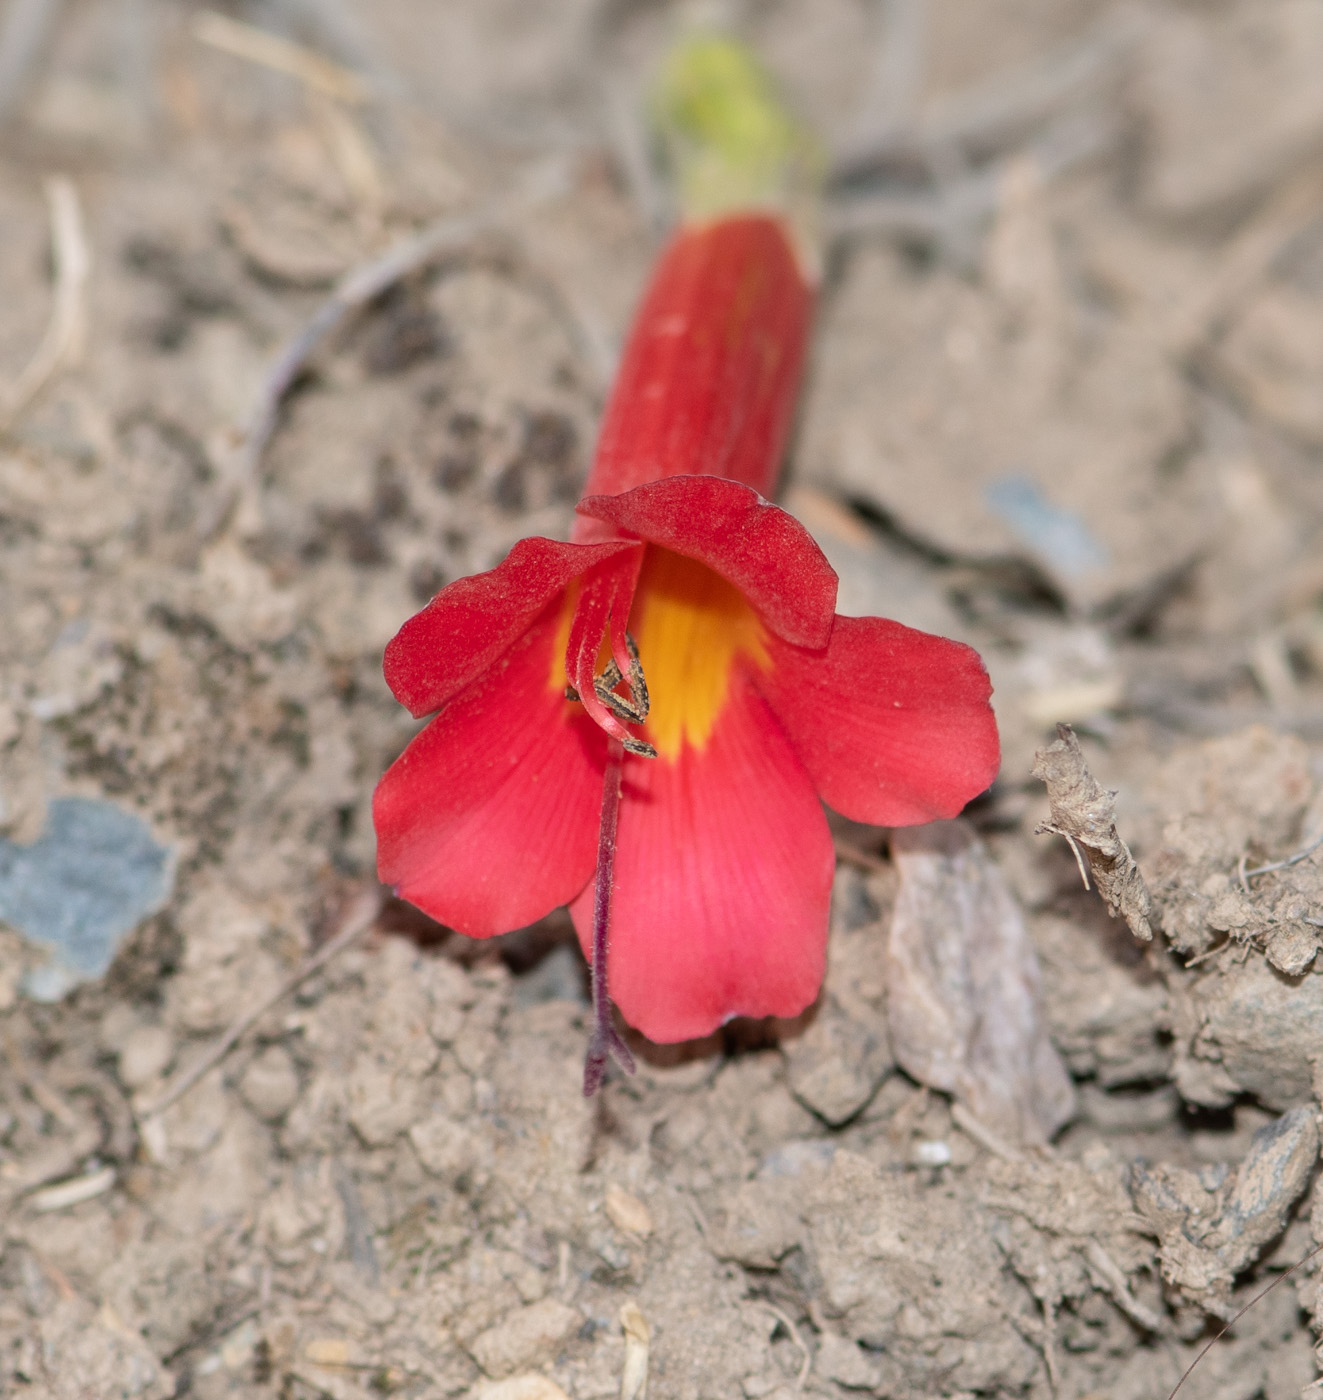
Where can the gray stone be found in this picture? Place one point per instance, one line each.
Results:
(94, 874)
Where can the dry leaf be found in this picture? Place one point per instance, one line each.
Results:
(626, 1212)
(965, 1004)
(1085, 814)
(634, 1378)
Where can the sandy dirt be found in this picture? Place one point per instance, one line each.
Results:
(1065, 404)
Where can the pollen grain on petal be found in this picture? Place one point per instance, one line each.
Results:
(690, 626)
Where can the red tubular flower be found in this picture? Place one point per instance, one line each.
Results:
(758, 700)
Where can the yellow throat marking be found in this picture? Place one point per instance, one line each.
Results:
(690, 625)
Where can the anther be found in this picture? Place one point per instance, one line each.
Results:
(638, 687)
(632, 708)
(619, 706)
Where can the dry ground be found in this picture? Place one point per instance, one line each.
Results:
(1066, 404)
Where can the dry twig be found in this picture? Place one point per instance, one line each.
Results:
(354, 158)
(796, 1341)
(320, 74)
(24, 35)
(889, 107)
(1231, 1322)
(63, 341)
(73, 1192)
(355, 290)
(1245, 262)
(1108, 1273)
(962, 201)
(995, 115)
(1295, 859)
(361, 916)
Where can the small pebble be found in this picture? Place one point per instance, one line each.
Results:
(932, 1154)
(270, 1084)
(627, 1212)
(327, 1351)
(120, 1020)
(145, 1053)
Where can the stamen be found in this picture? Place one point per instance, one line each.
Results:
(638, 687)
(632, 708)
(605, 1040)
(619, 706)
(605, 596)
(599, 596)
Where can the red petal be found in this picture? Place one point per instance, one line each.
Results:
(894, 725)
(708, 379)
(602, 608)
(463, 630)
(722, 882)
(488, 820)
(764, 551)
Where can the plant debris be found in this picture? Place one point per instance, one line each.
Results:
(1085, 814)
(1076, 286)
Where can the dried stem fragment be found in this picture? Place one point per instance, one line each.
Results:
(317, 72)
(796, 1341)
(1303, 854)
(634, 1379)
(360, 917)
(1084, 813)
(1227, 1326)
(358, 287)
(63, 341)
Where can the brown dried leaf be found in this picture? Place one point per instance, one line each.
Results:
(1085, 814)
(964, 994)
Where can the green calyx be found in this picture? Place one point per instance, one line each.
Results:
(731, 142)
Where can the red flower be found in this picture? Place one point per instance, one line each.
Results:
(762, 701)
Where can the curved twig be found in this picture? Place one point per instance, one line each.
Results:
(1283, 864)
(361, 916)
(64, 332)
(356, 289)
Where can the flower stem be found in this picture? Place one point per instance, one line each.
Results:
(605, 1040)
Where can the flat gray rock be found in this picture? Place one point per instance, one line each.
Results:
(93, 875)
